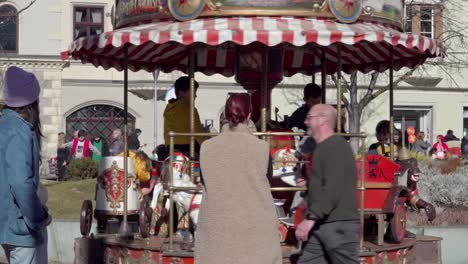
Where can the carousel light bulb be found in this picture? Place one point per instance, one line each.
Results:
(368, 9)
(218, 4)
(316, 6)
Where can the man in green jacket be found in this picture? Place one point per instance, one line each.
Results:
(331, 224)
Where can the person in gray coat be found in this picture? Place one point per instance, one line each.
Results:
(421, 146)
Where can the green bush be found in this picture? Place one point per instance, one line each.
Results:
(82, 169)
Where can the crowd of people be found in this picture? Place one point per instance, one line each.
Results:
(444, 147)
(81, 147)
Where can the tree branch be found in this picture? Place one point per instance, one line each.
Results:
(26, 7)
(370, 96)
(345, 101)
(343, 81)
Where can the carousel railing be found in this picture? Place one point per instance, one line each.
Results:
(362, 185)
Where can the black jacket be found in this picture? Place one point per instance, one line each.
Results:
(133, 142)
(298, 117)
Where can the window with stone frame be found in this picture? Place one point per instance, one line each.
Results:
(87, 21)
(424, 19)
(8, 29)
(98, 120)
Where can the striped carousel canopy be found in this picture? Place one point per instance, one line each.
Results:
(303, 44)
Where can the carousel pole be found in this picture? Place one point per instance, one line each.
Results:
(392, 153)
(264, 89)
(171, 192)
(155, 108)
(124, 225)
(324, 76)
(338, 93)
(191, 72)
(313, 65)
(362, 188)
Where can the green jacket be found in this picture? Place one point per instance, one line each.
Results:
(332, 192)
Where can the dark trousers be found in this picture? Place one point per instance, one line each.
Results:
(335, 242)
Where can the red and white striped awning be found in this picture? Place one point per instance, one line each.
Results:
(165, 45)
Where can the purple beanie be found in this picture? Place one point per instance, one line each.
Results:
(20, 88)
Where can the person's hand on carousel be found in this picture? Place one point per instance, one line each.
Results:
(147, 187)
(303, 229)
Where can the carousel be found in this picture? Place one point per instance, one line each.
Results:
(257, 42)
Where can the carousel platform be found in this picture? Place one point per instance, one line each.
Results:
(133, 249)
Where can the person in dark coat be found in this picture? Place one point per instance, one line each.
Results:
(312, 96)
(450, 136)
(133, 141)
(63, 156)
(330, 228)
(464, 146)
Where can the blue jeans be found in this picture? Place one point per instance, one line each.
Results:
(27, 255)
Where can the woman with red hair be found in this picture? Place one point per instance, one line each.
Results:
(237, 221)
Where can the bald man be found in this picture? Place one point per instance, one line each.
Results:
(330, 228)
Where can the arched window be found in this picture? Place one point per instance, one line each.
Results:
(8, 29)
(98, 120)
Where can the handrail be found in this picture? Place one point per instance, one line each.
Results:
(268, 133)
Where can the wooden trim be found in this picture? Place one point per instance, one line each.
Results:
(377, 185)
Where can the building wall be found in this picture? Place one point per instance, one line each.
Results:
(39, 27)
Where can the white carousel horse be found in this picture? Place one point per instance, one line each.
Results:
(285, 165)
(188, 200)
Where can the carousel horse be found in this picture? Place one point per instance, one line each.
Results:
(189, 201)
(410, 167)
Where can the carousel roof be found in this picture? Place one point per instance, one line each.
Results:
(165, 45)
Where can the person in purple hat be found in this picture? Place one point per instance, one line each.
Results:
(23, 221)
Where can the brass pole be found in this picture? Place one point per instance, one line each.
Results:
(312, 66)
(192, 108)
(171, 191)
(392, 154)
(124, 225)
(324, 76)
(264, 89)
(362, 187)
(338, 93)
(263, 134)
